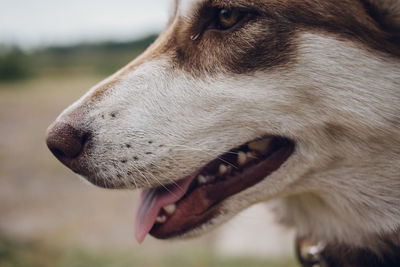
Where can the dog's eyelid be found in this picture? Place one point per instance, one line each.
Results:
(206, 19)
(242, 18)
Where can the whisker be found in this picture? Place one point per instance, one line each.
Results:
(134, 181)
(161, 183)
(173, 182)
(204, 150)
(148, 182)
(209, 153)
(145, 178)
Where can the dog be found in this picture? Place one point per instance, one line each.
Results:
(239, 102)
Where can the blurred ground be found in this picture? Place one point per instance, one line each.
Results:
(49, 217)
(33, 255)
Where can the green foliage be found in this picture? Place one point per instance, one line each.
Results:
(13, 65)
(100, 58)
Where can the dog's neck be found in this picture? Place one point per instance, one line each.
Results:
(311, 253)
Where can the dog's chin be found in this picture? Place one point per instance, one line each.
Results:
(182, 208)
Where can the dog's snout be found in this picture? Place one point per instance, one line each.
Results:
(66, 142)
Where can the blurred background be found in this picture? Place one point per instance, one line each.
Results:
(51, 52)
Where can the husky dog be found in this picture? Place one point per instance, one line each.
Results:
(239, 102)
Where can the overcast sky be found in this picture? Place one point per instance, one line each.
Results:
(32, 23)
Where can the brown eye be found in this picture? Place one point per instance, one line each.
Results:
(228, 18)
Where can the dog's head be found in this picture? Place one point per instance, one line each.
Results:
(243, 101)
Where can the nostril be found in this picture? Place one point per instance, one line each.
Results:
(58, 153)
(65, 141)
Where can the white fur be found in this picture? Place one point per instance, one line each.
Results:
(344, 188)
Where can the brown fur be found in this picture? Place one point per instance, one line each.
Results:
(266, 38)
(273, 26)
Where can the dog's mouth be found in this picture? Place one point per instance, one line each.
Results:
(174, 209)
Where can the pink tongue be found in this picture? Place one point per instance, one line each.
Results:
(151, 202)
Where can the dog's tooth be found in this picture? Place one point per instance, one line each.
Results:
(241, 160)
(222, 169)
(161, 219)
(202, 179)
(170, 209)
(260, 145)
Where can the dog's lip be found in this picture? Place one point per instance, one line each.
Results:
(197, 204)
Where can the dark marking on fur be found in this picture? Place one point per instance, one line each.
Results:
(387, 14)
(307, 96)
(267, 39)
(335, 132)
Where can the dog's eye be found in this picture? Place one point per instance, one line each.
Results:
(227, 18)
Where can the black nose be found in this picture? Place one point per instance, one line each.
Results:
(66, 142)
